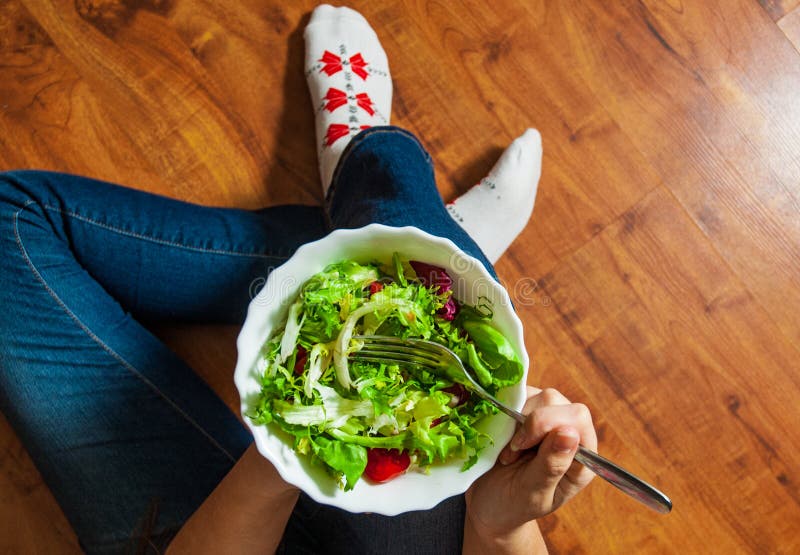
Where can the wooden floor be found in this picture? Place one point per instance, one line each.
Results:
(659, 280)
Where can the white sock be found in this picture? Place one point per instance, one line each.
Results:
(348, 77)
(498, 208)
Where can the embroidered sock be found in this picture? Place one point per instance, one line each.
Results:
(348, 77)
(497, 209)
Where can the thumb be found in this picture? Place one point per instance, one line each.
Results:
(553, 460)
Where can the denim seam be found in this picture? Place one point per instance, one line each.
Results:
(100, 342)
(154, 239)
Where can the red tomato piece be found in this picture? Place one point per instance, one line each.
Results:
(385, 464)
(374, 287)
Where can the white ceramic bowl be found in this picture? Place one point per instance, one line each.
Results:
(472, 284)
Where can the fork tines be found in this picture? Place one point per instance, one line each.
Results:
(392, 350)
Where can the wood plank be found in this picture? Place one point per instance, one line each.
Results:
(148, 75)
(790, 25)
(658, 280)
(729, 118)
(652, 337)
(502, 73)
(778, 8)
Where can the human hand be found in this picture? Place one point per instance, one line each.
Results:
(527, 484)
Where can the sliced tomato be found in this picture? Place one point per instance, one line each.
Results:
(385, 464)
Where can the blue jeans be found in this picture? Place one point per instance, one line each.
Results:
(127, 437)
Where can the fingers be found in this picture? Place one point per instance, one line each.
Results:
(532, 391)
(553, 477)
(553, 460)
(543, 398)
(544, 419)
(548, 410)
(556, 427)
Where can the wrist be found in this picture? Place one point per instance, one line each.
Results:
(525, 538)
(246, 513)
(510, 536)
(267, 481)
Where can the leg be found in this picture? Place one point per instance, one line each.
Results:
(321, 529)
(348, 78)
(351, 90)
(384, 176)
(498, 208)
(161, 259)
(119, 427)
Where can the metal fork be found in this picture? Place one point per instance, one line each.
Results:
(442, 361)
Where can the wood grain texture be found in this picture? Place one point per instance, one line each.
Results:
(659, 280)
(778, 8)
(790, 25)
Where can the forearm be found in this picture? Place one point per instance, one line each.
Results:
(526, 539)
(246, 513)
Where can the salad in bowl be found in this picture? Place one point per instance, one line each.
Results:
(375, 436)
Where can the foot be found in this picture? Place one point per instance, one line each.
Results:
(348, 77)
(497, 209)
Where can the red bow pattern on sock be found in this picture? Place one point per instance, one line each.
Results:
(338, 130)
(333, 64)
(336, 98)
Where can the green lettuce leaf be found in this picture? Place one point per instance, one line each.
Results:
(336, 408)
(496, 351)
(347, 458)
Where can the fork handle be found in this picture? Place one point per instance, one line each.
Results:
(613, 474)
